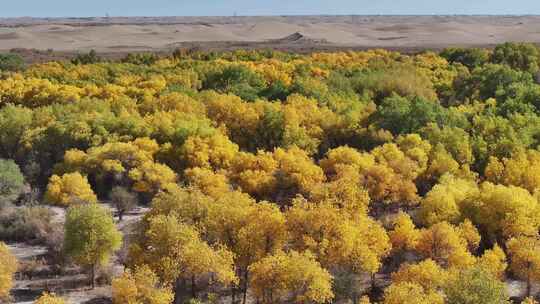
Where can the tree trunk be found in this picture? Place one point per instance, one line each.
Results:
(177, 288)
(93, 275)
(193, 287)
(120, 215)
(529, 264)
(246, 277)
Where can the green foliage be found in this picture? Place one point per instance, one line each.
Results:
(90, 236)
(86, 58)
(11, 62)
(237, 80)
(11, 181)
(470, 58)
(475, 286)
(123, 200)
(520, 56)
(401, 115)
(141, 58)
(272, 173)
(492, 81)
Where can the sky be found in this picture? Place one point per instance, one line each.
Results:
(86, 8)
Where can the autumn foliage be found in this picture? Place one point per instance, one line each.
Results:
(275, 177)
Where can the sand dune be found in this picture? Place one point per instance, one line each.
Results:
(121, 34)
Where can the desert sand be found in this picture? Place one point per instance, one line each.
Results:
(131, 34)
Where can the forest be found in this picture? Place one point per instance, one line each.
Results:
(274, 177)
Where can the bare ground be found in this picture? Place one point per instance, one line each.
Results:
(42, 39)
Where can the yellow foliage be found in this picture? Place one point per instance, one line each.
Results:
(140, 287)
(521, 170)
(406, 293)
(151, 177)
(264, 233)
(404, 236)
(524, 258)
(506, 210)
(69, 188)
(50, 298)
(208, 181)
(8, 266)
(444, 244)
(337, 240)
(446, 199)
(344, 191)
(255, 173)
(175, 250)
(214, 152)
(277, 277)
(493, 261)
(529, 300)
(427, 274)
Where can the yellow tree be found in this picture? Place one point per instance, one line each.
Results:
(519, 170)
(294, 276)
(255, 173)
(264, 233)
(7, 270)
(190, 206)
(445, 244)
(405, 293)
(337, 239)
(524, 259)
(387, 172)
(427, 274)
(296, 173)
(445, 200)
(175, 251)
(345, 191)
(493, 261)
(404, 235)
(529, 300)
(505, 211)
(68, 188)
(213, 152)
(121, 163)
(140, 286)
(208, 181)
(49, 298)
(151, 177)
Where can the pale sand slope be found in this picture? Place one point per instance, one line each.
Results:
(164, 33)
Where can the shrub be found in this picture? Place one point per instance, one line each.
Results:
(11, 62)
(26, 224)
(11, 181)
(88, 58)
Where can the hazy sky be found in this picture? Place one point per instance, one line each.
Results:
(52, 8)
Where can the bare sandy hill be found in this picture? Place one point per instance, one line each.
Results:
(123, 34)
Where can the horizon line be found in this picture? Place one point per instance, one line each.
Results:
(273, 15)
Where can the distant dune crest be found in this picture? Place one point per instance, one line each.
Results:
(124, 34)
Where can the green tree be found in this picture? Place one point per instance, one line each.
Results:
(11, 181)
(123, 200)
(520, 56)
(11, 62)
(90, 236)
(475, 286)
(469, 57)
(238, 80)
(401, 115)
